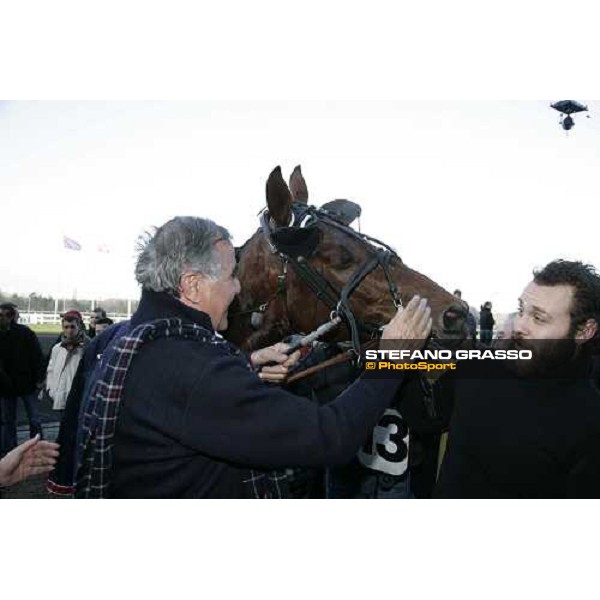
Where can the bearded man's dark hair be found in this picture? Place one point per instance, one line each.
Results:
(585, 281)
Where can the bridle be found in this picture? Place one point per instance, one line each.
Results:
(338, 301)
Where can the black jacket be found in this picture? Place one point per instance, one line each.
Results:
(22, 360)
(523, 438)
(486, 319)
(194, 418)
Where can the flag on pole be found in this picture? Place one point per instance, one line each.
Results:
(71, 244)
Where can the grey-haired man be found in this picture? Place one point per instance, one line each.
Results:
(194, 418)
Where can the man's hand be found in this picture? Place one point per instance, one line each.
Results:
(411, 326)
(274, 354)
(31, 458)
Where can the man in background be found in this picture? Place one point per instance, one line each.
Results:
(471, 320)
(103, 323)
(486, 323)
(97, 313)
(64, 359)
(23, 366)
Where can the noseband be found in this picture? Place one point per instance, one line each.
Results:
(307, 217)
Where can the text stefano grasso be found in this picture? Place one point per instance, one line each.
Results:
(448, 354)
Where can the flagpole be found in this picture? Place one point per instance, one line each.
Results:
(73, 245)
(103, 261)
(60, 278)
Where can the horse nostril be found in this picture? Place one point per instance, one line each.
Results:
(454, 318)
(449, 319)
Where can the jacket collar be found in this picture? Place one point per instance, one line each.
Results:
(160, 305)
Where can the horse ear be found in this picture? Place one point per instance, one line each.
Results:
(298, 186)
(279, 198)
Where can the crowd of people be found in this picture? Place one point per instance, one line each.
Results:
(162, 405)
(27, 376)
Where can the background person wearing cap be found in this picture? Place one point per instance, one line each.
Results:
(69, 313)
(64, 359)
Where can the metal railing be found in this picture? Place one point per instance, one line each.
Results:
(51, 317)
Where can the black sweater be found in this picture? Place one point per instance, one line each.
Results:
(519, 438)
(194, 418)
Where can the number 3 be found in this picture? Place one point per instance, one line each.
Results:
(386, 450)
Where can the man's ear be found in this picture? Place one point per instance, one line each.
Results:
(586, 331)
(189, 286)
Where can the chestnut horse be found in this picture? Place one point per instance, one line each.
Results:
(303, 263)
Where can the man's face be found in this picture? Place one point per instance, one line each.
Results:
(543, 325)
(70, 329)
(225, 288)
(544, 312)
(214, 295)
(100, 327)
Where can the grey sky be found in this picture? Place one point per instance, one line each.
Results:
(473, 194)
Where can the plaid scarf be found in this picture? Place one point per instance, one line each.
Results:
(70, 343)
(102, 411)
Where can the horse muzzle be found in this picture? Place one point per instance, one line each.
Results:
(453, 322)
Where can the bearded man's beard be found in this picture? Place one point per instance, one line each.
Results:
(549, 357)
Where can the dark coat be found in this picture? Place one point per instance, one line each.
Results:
(5, 383)
(62, 479)
(486, 319)
(22, 360)
(514, 437)
(194, 418)
(471, 325)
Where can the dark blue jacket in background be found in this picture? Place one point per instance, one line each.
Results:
(95, 358)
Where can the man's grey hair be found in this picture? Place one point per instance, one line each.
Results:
(181, 244)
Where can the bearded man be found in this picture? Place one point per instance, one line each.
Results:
(531, 429)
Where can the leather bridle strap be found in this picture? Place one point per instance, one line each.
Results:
(381, 258)
(339, 302)
(336, 301)
(319, 286)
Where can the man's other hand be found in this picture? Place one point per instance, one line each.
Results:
(265, 357)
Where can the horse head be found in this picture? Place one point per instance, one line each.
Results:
(304, 263)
